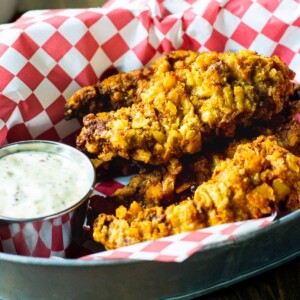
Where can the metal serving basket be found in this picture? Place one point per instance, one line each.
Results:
(212, 268)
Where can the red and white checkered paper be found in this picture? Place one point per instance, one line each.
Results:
(177, 248)
(40, 238)
(47, 55)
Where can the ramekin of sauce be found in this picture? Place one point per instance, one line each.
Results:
(44, 187)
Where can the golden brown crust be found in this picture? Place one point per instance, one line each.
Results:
(169, 116)
(112, 93)
(260, 176)
(188, 99)
(164, 185)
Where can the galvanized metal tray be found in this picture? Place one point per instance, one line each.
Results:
(209, 269)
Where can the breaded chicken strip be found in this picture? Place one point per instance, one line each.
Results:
(167, 184)
(260, 177)
(285, 126)
(187, 102)
(121, 89)
(170, 184)
(163, 185)
(110, 94)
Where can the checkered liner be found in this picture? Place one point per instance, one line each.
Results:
(177, 248)
(46, 55)
(40, 238)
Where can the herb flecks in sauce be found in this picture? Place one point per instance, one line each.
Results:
(35, 184)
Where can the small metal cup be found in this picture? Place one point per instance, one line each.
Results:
(51, 235)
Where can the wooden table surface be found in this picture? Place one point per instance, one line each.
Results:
(281, 283)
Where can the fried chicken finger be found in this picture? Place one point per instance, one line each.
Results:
(206, 96)
(260, 176)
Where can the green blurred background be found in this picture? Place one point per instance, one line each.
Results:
(25, 5)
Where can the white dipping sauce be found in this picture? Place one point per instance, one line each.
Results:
(36, 183)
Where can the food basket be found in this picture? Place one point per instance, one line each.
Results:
(215, 267)
(47, 55)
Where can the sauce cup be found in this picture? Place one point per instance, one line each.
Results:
(44, 187)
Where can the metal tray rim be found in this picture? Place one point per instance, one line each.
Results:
(82, 263)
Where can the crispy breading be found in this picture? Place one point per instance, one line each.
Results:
(112, 93)
(121, 89)
(163, 185)
(166, 184)
(188, 99)
(260, 176)
(285, 126)
(187, 122)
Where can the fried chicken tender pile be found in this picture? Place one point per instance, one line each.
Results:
(177, 181)
(214, 138)
(260, 175)
(178, 103)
